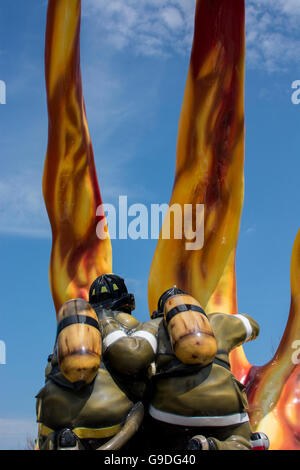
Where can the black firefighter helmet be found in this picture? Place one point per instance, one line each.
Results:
(109, 291)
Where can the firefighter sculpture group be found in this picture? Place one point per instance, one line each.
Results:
(115, 383)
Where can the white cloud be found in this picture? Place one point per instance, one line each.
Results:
(22, 210)
(148, 27)
(172, 17)
(164, 27)
(273, 40)
(250, 229)
(286, 6)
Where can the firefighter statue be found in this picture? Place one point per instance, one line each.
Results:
(97, 376)
(196, 402)
(107, 367)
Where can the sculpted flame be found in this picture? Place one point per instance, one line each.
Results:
(70, 184)
(210, 153)
(209, 170)
(274, 389)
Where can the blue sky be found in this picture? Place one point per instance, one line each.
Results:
(135, 56)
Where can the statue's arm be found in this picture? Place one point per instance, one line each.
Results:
(233, 330)
(128, 350)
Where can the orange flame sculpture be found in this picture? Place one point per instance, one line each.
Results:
(209, 170)
(70, 184)
(274, 389)
(210, 153)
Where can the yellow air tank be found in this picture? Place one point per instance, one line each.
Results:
(191, 335)
(78, 341)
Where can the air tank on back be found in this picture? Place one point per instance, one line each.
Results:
(79, 344)
(191, 335)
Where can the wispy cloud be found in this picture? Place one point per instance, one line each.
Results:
(22, 211)
(150, 28)
(22, 208)
(273, 38)
(250, 229)
(165, 27)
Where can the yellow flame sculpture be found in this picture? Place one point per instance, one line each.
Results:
(210, 153)
(70, 184)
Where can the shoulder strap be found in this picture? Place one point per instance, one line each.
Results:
(222, 363)
(175, 368)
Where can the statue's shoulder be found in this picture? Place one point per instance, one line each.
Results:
(129, 322)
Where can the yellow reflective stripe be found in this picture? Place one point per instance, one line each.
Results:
(90, 433)
(44, 430)
(86, 433)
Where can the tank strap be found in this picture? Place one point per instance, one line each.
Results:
(221, 363)
(77, 319)
(59, 379)
(183, 308)
(164, 346)
(175, 368)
